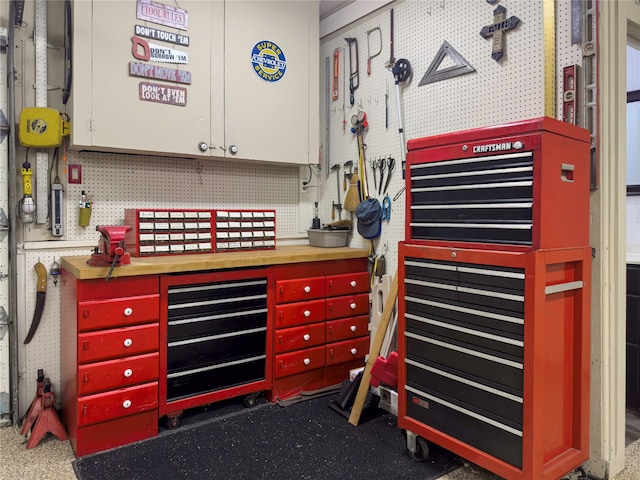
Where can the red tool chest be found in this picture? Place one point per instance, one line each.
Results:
(494, 298)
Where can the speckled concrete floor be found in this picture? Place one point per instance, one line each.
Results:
(51, 460)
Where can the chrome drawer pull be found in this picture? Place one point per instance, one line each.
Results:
(354, 351)
(306, 337)
(353, 306)
(127, 342)
(126, 404)
(307, 313)
(353, 328)
(128, 372)
(307, 361)
(353, 283)
(128, 311)
(307, 289)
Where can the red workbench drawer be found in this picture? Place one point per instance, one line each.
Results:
(299, 313)
(347, 284)
(298, 362)
(348, 306)
(347, 328)
(117, 403)
(299, 337)
(299, 289)
(118, 342)
(347, 351)
(97, 377)
(118, 312)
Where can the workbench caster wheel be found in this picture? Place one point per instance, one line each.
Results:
(174, 421)
(251, 399)
(417, 447)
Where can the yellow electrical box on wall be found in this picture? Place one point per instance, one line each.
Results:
(42, 127)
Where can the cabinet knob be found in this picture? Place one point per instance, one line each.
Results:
(233, 149)
(128, 311)
(354, 283)
(354, 351)
(353, 328)
(306, 337)
(307, 289)
(307, 313)
(307, 361)
(203, 147)
(127, 342)
(128, 372)
(126, 404)
(353, 306)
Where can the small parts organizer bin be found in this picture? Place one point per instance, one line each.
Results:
(173, 232)
(244, 230)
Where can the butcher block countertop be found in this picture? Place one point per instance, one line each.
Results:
(78, 267)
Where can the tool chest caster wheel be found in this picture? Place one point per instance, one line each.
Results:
(174, 420)
(251, 399)
(417, 447)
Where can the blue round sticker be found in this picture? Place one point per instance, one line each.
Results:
(268, 61)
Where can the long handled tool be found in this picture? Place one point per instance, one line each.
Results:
(356, 410)
(369, 55)
(337, 206)
(401, 73)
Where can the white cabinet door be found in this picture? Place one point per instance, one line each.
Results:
(271, 80)
(117, 110)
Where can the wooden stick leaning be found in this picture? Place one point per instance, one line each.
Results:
(358, 404)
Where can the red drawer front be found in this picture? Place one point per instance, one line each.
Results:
(98, 377)
(117, 403)
(348, 306)
(347, 284)
(118, 342)
(299, 313)
(300, 289)
(347, 351)
(298, 362)
(118, 312)
(347, 328)
(299, 337)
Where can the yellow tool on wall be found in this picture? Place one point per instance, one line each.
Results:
(42, 127)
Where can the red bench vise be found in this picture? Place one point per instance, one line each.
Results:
(110, 251)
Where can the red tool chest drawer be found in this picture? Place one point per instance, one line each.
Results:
(300, 289)
(288, 339)
(117, 403)
(347, 328)
(118, 373)
(299, 313)
(118, 312)
(118, 342)
(347, 284)
(300, 361)
(342, 352)
(347, 306)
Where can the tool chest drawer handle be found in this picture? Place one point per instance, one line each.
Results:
(354, 284)
(307, 361)
(126, 404)
(306, 337)
(128, 372)
(354, 351)
(353, 328)
(128, 312)
(307, 313)
(307, 289)
(127, 342)
(353, 306)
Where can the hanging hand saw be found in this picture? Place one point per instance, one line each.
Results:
(354, 73)
(41, 292)
(335, 90)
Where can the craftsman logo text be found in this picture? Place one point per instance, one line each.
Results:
(497, 147)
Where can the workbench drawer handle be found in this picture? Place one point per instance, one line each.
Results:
(307, 289)
(353, 306)
(128, 311)
(354, 283)
(307, 313)
(85, 410)
(307, 361)
(85, 345)
(128, 372)
(126, 404)
(85, 378)
(353, 328)
(127, 342)
(354, 351)
(306, 337)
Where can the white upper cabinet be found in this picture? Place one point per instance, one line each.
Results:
(234, 79)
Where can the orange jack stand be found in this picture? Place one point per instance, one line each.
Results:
(48, 420)
(36, 405)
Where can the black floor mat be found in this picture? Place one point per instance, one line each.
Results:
(306, 440)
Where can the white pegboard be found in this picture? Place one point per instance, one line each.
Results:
(497, 92)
